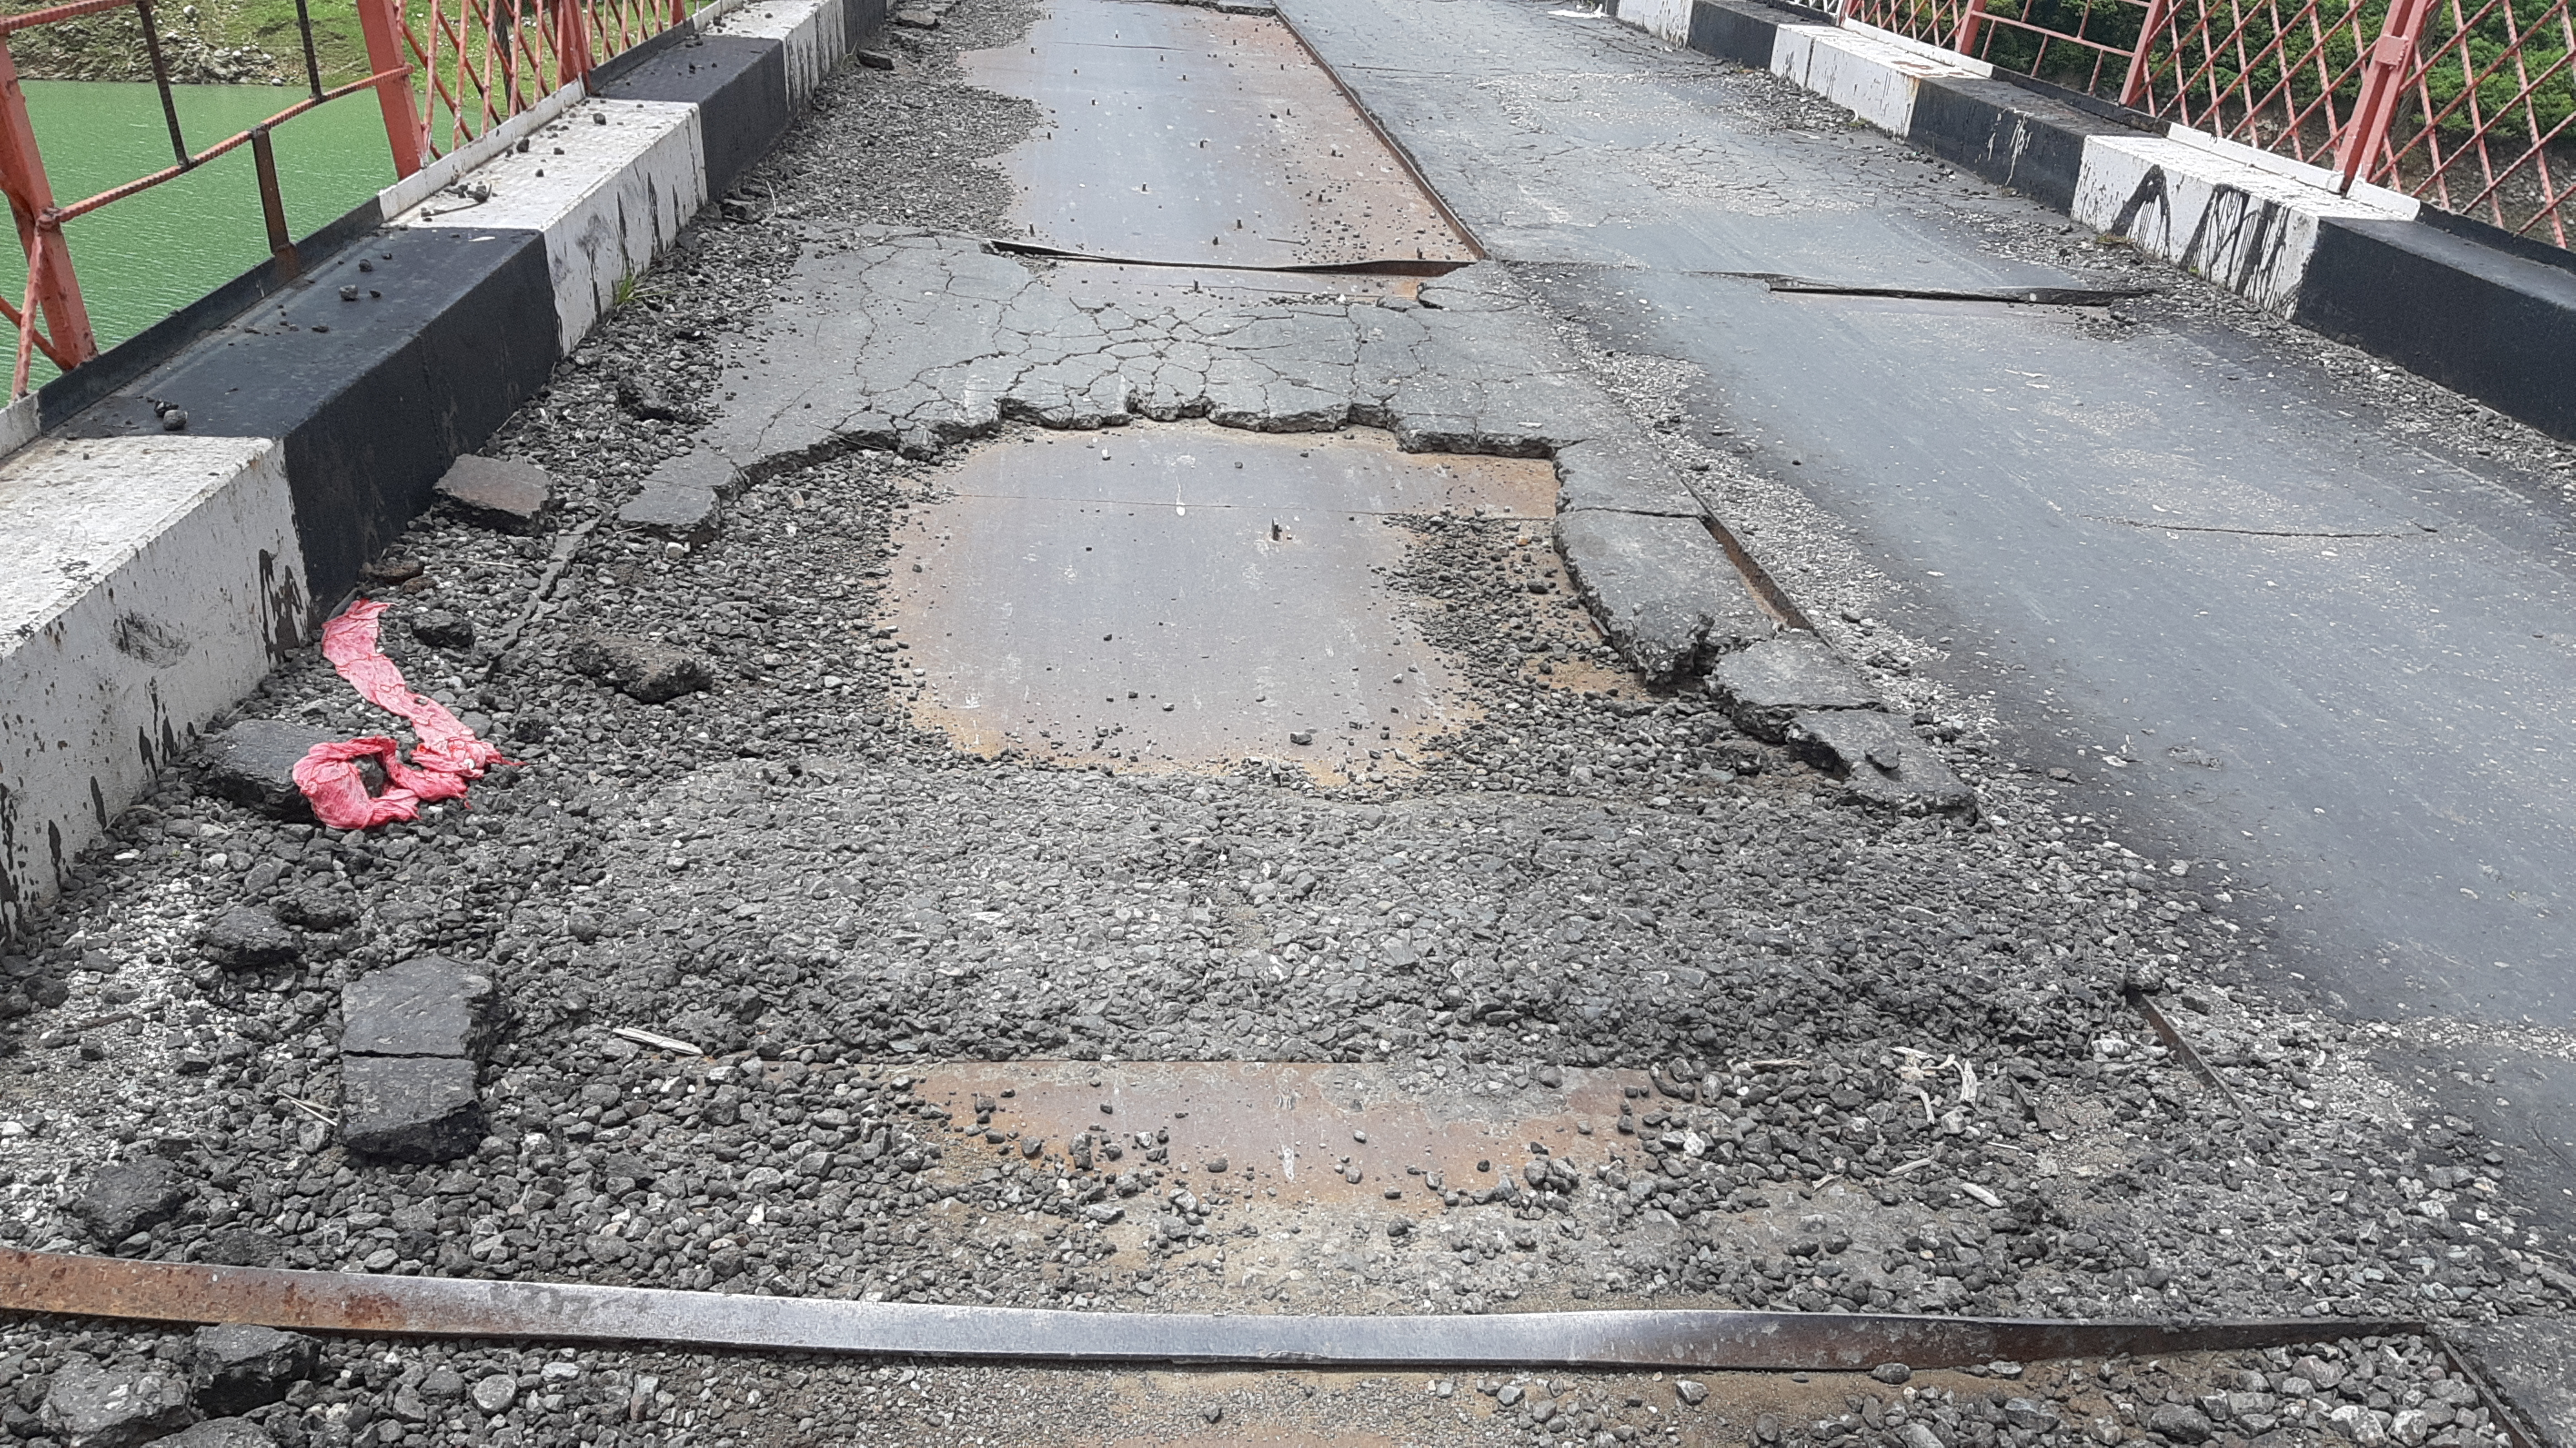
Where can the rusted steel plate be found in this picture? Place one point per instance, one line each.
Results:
(1177, 134)
(448, 1307)
(1290, 1134)
(1169, 595)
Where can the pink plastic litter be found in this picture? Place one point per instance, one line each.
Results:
(447, 757)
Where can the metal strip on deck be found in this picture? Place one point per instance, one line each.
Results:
(448, 1307)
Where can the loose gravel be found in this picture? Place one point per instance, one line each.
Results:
(1888, 1060)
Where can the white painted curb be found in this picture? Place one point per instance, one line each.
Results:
(1867, 73)
(2244, 218)
(444, 172)
(153, 580)
(610, 185)
(814, 33)
(2249, 228)
(1664, 19)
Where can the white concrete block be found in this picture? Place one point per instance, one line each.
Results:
(814, 33)
(20, 421)
(443, 172)
(2317, 178)
(1867, 73)
(2249, 228)
(152, 581)
(607, 196)
(1663, 19)
(1947, 62)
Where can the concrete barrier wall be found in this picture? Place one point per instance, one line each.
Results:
(172, 569)
(2490, 315)
(1868, 72)
(153, 581)
(1670, 19)
(608, 187)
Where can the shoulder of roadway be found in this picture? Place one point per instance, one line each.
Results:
(324, 395)
(2468, 305)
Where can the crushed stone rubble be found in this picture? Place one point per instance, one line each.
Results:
(1882, 1055)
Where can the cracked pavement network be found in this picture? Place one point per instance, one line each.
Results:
(1598, 882)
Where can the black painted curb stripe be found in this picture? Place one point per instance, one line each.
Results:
(371, 399)
(2464, 304)
(739, 86)
(2499, 327)
(66, 395)
(373, 402)
(2005, 134)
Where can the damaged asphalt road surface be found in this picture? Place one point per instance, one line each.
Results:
(1447, 885)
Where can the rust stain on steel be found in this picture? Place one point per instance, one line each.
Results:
(451, 1307)
(1169, 595)
(1179, 134)
(1291, 1129)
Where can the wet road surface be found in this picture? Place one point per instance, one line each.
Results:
(2281, 638)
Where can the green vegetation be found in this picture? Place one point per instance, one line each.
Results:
(2246, 63)
(207, 42)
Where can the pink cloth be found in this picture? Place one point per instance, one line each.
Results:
(447, 756)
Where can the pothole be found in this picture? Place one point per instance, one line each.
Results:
(1177, 595)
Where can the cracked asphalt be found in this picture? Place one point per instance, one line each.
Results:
(1755, 1043)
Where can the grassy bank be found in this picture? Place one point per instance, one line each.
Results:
(208, 42)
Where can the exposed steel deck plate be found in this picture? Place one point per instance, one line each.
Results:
(1174, 594)
(450, 1307)
(1179, 134)
(1299, 1134)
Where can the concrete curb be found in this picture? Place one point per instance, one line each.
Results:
(175, 567)
(2470, 307)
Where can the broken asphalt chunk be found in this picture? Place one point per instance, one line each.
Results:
(1620, 475)
(1766, 684)
(430, 1006)
(680, 512)
(1883, 762)
(697, 468)
(498, 493)
(240, 1367)
(440, 629)
(410, 1108)
(253, 763)
(1661, 588)
(410, 1039)
(246, 937)
(649, 673)
(126, 1197)
(95, 1407)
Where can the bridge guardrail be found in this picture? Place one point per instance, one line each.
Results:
(444, 72)
(2469, 105)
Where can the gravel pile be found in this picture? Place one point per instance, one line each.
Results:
(1884, 1062)
(2369, 1391)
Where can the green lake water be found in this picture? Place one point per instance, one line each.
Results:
(144, 257)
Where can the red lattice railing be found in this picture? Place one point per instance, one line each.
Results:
(479, 62)
(2482, 105)
(2468, 104)
(444, 72)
